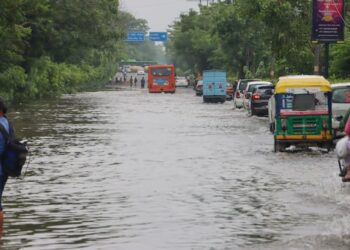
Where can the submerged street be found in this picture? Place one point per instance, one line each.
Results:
(125, 169)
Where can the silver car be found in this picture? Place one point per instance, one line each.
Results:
(340, 102)
(239, 93)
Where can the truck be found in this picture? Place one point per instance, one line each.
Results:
(214, 86)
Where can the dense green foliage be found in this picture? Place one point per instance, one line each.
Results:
(50, 47)
(256, 38)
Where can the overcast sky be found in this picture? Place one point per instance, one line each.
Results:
(158, 13)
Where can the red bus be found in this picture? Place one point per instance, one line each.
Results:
(161, 78)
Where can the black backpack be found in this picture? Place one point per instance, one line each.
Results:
(15, 154)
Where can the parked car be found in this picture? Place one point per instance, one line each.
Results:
(199, 88)
(140, 72)
(238, 94)
(259, 99)
(340, 105)
(181, 81)
(229, 91)
(249, 89)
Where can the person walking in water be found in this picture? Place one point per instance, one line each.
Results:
(143, 81)
(131, 81)
(3, 176)
(135, 81)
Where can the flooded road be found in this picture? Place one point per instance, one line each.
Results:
(131, 170)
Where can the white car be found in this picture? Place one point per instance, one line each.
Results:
(238, 94)
(249, 89)
(181, 82)
(340, 102)
(140, 73)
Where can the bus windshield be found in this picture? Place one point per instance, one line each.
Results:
(161, 71)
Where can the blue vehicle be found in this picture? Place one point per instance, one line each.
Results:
(214, 86)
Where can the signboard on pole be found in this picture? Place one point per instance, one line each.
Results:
(328, 21)
(158, 36)
(135, 37)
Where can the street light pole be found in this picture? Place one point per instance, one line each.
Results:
(326, 60)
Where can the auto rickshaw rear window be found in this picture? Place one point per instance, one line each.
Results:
(303, 102)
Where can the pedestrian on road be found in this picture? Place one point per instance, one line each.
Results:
(131, 81)
(143, 81)
(3, 176)
(135, 81)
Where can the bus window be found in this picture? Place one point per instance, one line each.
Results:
(161, 71)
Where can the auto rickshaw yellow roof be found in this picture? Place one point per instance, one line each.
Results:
(300, 81)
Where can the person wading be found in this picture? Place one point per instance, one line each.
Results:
(346, 178)
(3, 176)
(143, 81)
(131, 81)
(135, 81)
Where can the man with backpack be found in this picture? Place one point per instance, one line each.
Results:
(3, 176)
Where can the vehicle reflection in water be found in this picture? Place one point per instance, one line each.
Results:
(132, 170)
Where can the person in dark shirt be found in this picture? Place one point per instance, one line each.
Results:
(3, 176)
(131, 81)
(143, 81)
(135, 81)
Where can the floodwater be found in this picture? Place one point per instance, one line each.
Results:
(124, 169)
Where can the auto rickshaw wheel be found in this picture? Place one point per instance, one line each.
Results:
(276, 146)
(328, 146)
(272, 127)
(279, 146)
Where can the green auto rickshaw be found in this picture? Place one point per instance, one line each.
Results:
(300, 112)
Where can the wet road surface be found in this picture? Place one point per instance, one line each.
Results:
(124, 169)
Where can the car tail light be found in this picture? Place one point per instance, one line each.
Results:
(238, 95)
(256, 97)
(284, 124)
(324, 124)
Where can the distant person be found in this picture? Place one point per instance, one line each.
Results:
(143, 81)
(135, 81)
(131, 81)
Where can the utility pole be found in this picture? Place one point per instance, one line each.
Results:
(317, 59)
(326, 60)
